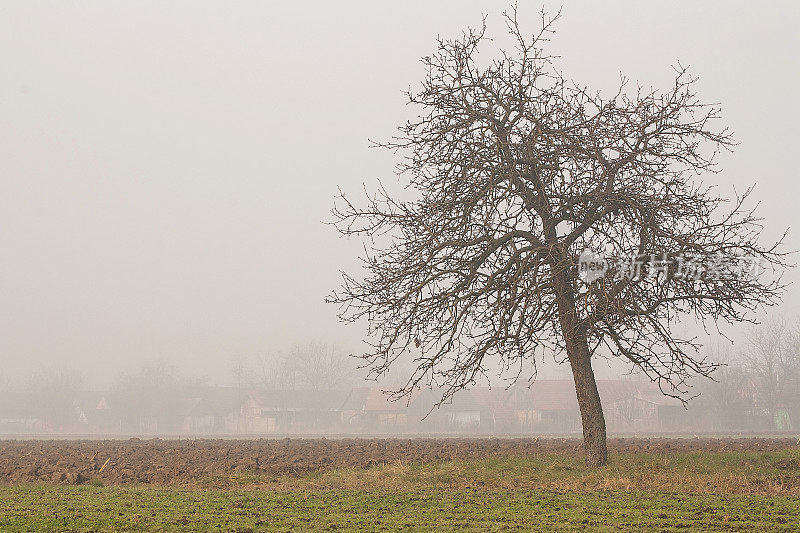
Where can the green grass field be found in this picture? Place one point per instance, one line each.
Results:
(740, 491)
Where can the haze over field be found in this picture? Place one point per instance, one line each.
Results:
(165, 168)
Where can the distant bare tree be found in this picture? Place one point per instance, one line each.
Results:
(56, 392)
(314, 365)
(318, 366)
(516, 171)
(148, 375)
(267, 370)
(241, 372)
(5, 382)
(773, 357)
(729, 396)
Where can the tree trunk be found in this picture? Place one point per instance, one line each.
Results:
(592, 418)
(577, 346)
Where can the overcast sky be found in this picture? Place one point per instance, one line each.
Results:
(165, 167)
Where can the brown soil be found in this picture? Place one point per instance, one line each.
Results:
(187, 461)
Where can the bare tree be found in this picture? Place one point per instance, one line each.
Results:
(729, 396)
(240, 371)
(318, 366)
(265, 369)
(515, 171)
(773, 358)
(268, 371)
(314, 365)
(56, 391)
(149, 375)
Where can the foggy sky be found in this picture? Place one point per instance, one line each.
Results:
(165, 167)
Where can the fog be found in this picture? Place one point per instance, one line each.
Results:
(166, 170)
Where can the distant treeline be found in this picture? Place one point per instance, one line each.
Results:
(317, 388)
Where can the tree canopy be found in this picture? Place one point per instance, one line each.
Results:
(517, 173)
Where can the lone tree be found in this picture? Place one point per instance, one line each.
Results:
(516, 172)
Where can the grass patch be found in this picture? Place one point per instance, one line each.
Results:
(721, 491)
(126, 508)
(766, 473)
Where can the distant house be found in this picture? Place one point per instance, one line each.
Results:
(154, 411)
(352, 412)
(373, 410)
(547, 406)
(18, 414)
(218, 411)
(103, 419)
(293, 411)
(551, 406)
(468, 410)
(646, 410)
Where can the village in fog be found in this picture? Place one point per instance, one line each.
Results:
(548, 407)
(315, 390)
